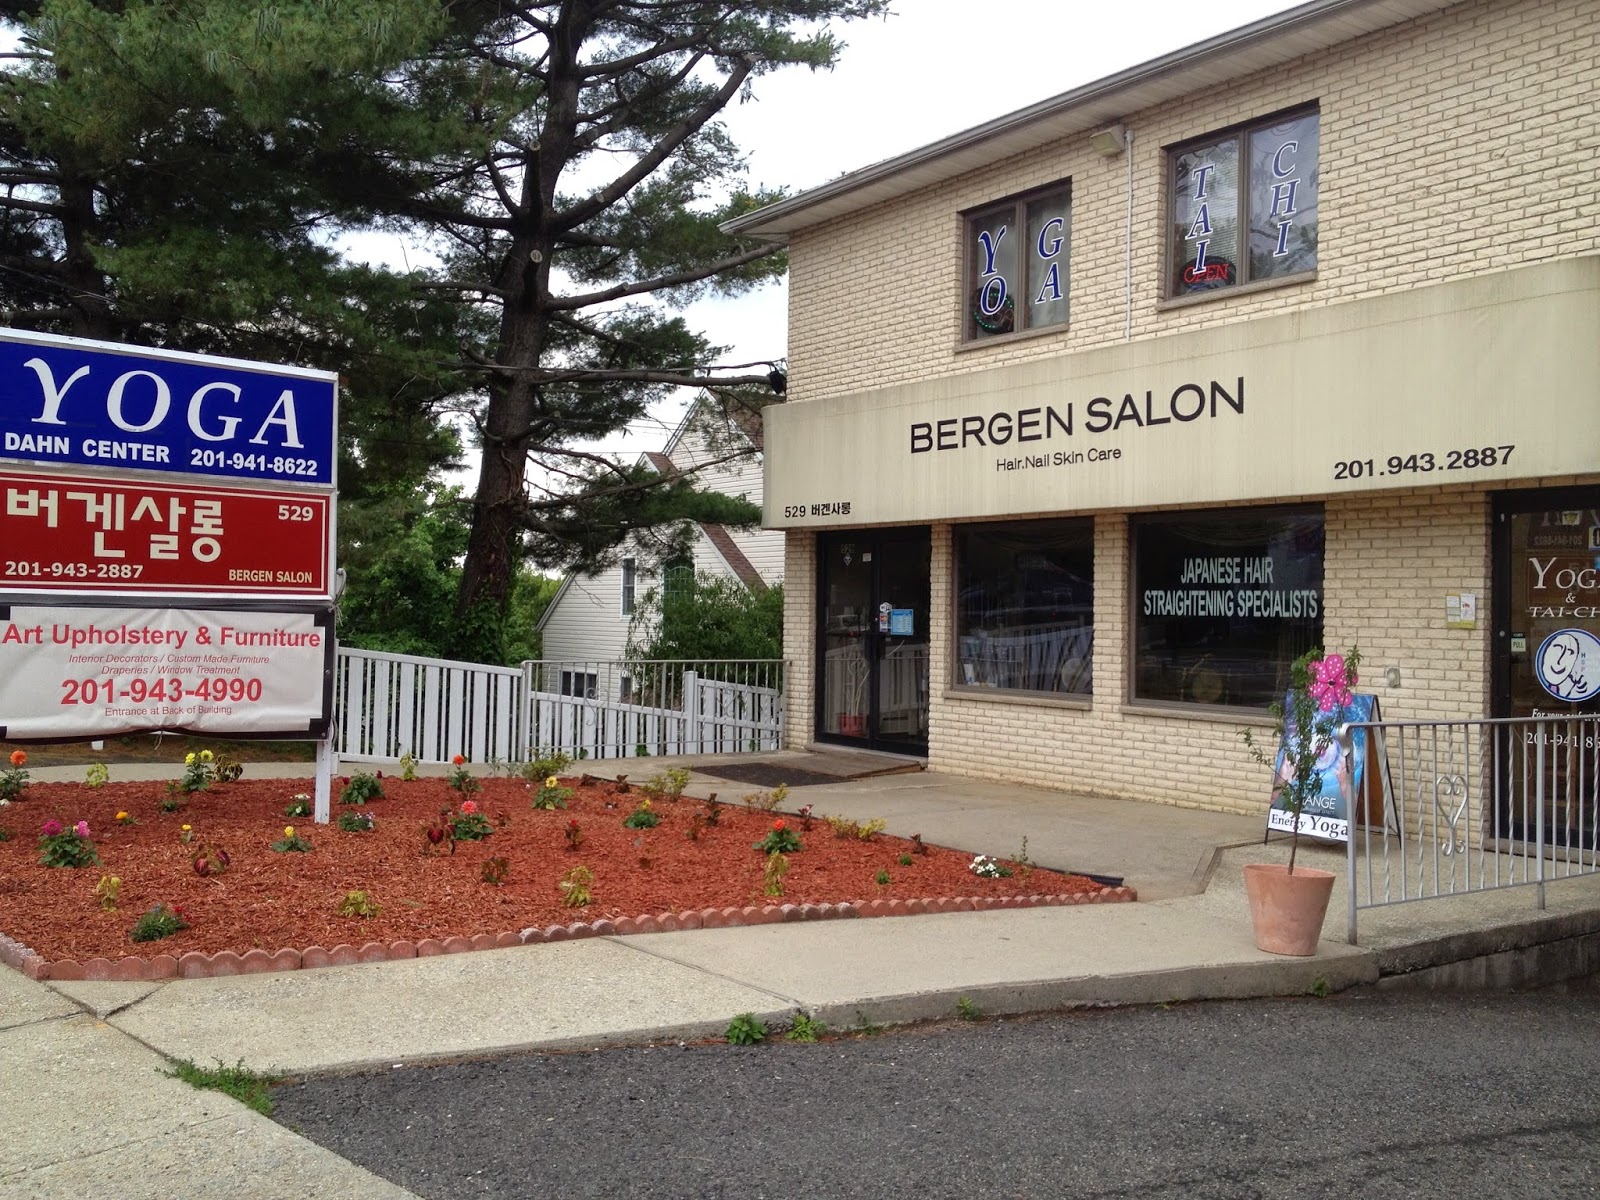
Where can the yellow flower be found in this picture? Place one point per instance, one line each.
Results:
(205, 756)
(122, 816)
(186, 829)
(288, 831)
(552, 782)
(188, 759)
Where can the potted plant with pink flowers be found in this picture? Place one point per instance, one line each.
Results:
(1287, 906)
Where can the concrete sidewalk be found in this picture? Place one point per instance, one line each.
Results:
(93, 1108)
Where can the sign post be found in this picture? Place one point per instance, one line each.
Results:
(168, 559)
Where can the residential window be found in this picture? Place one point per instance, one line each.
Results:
(630, 582)
(1025, 606)
(1224, 602)
(1017, 263)
(1244, 205)
(584, 684)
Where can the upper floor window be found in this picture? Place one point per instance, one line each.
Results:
(630, 584)
(1017, 258)
(1244, 205)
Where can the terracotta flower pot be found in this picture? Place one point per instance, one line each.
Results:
(1287, 910)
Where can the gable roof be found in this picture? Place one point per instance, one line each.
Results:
(740, 565)
(1270, 42)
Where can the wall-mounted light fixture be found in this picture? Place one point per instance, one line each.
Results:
(1109, 142)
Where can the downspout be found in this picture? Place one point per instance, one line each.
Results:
(1127, 324)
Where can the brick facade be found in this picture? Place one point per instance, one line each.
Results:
(1459, 144)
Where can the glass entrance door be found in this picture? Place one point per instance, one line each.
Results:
(1547, 659)
(872, 639)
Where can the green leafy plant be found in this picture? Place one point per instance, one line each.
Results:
(495, 870)
(1320, 988)
(772, 874)
(804, 1028)
(291, 841)
(14, 779)
(967, 1010)
(246, 1086)
(461, 779)
(844, 827)
(467, 824)
(906, 860)
(66, 845)
(299, 806)
(544, 766)
(882, 878)
(780, 839)
(669, 784)
(643, 817)
(210, 860)
(746, 1029)
(97, 776)
(713, 811)
(408, 767)
(358, 904)
(988, 868)
(107, 890)
(768, 801)
(1306, 722)
(199, 772)
(361, 788)
(551, 795)
(172, 801)
(357, 822)
(577, 887)
(158, 921)
(1023, 864)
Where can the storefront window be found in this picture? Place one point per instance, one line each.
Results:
(1025, 606)
(1224, 602)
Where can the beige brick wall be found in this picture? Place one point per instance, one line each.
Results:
(1460, 144)
(1454, 145)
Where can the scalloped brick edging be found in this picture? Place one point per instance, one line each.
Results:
(195, 965)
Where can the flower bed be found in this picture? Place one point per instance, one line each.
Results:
(227, 861)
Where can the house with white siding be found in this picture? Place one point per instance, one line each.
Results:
(587, 622)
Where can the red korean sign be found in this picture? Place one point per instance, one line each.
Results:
(91, 534)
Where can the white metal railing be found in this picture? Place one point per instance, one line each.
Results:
(1471, 806)
(587, 708)
(386, 705)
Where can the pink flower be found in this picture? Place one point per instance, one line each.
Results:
(81, 829)
(469, 807)
(50, 828)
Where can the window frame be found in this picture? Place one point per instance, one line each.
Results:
(1137, 523)
(630, 586)
(1017, 204)
(957, 682)
(1173, 240)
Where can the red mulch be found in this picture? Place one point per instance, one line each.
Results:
(270, 900)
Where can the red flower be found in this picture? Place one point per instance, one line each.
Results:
(18, 757)
(458, 760)
(777, 827)
(469, 807)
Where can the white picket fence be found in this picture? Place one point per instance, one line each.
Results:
(387, 705)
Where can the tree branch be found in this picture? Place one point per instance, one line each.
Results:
(676, 279)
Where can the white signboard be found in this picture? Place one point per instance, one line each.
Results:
(68, 673)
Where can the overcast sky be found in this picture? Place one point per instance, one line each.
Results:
(933, 69)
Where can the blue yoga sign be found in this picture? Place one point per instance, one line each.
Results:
(97, 404)
(1327, 813)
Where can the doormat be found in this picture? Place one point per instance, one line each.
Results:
(771, 774)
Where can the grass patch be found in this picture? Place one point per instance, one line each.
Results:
(244, 1085)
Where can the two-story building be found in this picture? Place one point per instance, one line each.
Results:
(1103, 412)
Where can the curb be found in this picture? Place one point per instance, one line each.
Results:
(195, 965)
